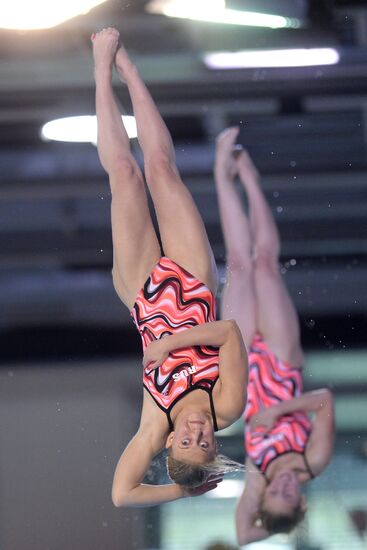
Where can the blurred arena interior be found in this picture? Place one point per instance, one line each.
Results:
(306, 129)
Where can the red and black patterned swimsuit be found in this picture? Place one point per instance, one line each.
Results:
(270, 382)
(172, 300)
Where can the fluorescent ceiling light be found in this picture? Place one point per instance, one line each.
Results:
(271, 58)
(42, 14)
(214, 11)
(80, 129)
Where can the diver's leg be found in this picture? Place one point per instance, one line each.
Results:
(182, 231)
(135, 245)
(239, 294)
(276, 315)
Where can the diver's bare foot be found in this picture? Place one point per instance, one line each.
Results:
(105, 44)
(247, 167)
(225, 163)
(124, 66)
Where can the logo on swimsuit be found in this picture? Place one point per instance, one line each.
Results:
(184, 373)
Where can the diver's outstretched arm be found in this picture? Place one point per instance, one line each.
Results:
(320, 445)
(127, 488)
(248, 507)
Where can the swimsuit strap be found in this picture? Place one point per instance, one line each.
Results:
(212, 409)
(308, 468)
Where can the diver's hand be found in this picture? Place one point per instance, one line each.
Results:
(210, 484)
(155, 353)
(265, 418)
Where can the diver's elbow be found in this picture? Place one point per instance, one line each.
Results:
(119, 498)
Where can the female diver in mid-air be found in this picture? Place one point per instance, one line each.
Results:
(284, 448)
(171, 299)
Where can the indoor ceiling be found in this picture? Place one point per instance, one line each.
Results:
(305, 128)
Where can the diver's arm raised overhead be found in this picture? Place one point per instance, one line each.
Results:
(247, 511)
(134, 462)
(321, 442)
(128, 488)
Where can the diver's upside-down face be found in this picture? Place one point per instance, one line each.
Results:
(283, 494)
(193, 439)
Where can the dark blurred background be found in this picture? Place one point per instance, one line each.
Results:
(70, 356)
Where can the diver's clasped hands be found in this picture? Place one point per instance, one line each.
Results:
(210, 484)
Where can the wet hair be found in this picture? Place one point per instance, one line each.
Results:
(193, 475)
(282, 523)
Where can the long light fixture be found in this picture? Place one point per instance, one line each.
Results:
(80, 129)
(215, 11)
(302, 57)
(42, 14)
